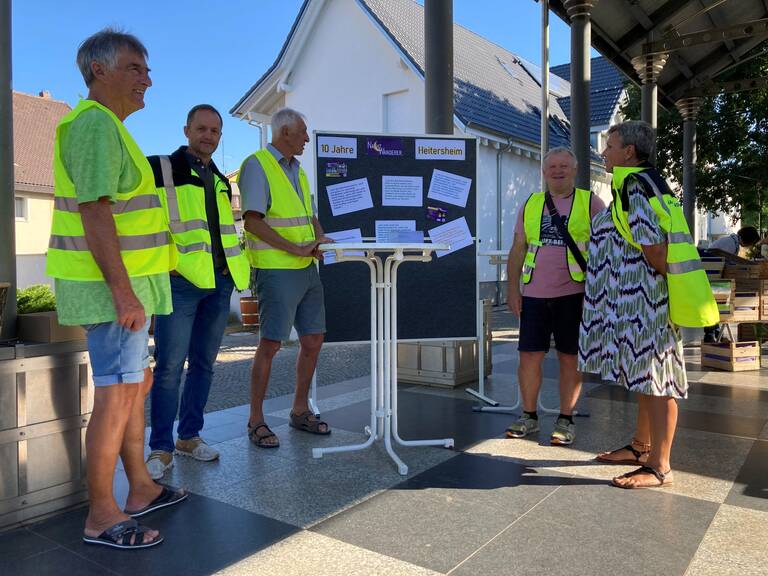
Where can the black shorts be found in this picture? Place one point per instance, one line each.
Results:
(540, 318)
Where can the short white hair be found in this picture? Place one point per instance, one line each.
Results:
(561, 150)
(285, 117)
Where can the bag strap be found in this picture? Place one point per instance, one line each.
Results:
(558, 220)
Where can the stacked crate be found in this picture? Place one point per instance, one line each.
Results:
(746, 300)
(731, 356)
(722, 290)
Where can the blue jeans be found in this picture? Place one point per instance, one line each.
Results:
(194, 330)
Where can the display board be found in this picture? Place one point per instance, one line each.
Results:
(400, 189)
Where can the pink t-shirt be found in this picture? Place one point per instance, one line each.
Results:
(551, 278)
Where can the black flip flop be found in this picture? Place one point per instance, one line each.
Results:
(168, 497)
(126, 535)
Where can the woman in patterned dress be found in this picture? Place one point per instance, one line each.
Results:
(626, 335)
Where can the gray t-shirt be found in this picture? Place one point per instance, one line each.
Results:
(728, 243)
(254, 187)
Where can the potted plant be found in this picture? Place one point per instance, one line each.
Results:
(37, 320)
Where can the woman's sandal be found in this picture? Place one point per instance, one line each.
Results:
(660, 478)
(308, 422)
(260, 439)
(637, 455)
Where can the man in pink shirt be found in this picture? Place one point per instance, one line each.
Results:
(546, 288)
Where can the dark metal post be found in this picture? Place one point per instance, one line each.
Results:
(438, 68)
(581, 40)
(689, 110)
(7, 210)
(649, 69)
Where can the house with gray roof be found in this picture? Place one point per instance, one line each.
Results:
(358, 66)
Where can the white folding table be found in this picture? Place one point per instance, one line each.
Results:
(383, 259)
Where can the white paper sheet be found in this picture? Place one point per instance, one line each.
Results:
(454, 233)
(395, 230)
(402, 190)
(353, 235)
(450, 188)
(351, 196)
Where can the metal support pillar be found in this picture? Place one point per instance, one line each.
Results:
(649, 69)
(544, 85)
(438, 68)
(689, 110)
(7, 204)
(579, 12)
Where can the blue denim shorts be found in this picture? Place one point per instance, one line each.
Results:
(118, 355)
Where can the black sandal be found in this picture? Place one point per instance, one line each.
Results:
(662, 478)
(168, 497)
(259, 440)
(127, 535)
(636, 453)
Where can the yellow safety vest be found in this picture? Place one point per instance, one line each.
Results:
(579, 226)
(691, 303)
(183, 197)
(287, 215)
(140, 221)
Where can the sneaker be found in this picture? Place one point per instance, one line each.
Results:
(564, 432)
(158, 462)
(525, 425)
(196, 448)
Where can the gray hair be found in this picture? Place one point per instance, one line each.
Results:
(103, 47)
(561, 150)
(285, 117)
(638, 134)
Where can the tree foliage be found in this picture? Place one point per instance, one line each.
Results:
(732, 145)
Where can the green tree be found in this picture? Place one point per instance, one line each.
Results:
(732, 146)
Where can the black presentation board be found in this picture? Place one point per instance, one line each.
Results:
(435, 299)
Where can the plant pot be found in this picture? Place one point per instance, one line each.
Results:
(249, 312)
(45, 327)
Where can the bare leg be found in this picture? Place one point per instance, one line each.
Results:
(662, 413)
(260, 371)
(142, 489)
(112, 407)
(529, 376)
(306, 362)
(570, 382)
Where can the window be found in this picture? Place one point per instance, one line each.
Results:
(594, 140)
(21, 207)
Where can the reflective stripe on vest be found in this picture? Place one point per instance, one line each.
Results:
(288, 215)
(186, 211)
(140, 222)
(579, 225)
(691, 303)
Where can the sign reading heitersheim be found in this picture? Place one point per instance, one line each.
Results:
(400, 189)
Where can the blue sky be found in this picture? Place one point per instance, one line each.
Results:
(202, 51)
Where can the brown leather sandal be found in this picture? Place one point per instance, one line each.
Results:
(260, 439)
(308, 422)
(636, 459)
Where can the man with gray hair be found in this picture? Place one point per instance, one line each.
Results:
(548, 260)
(110, 253)
(282, 236)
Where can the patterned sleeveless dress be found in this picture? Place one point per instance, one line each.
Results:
(625, 334)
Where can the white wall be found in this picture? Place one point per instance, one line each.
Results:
(335, 86)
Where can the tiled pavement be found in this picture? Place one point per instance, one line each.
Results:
(492, 506)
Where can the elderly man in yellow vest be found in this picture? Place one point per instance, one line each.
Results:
(282, 236)
(110, 253)
(549, 251)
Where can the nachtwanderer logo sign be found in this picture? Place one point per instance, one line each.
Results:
(384, 146)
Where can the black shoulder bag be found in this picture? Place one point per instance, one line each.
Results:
(558, 220)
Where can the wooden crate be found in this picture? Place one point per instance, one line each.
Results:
(713, 265)
(746, 306)
(731, 356)
(749, 331)
(722, 290)
(754, 270)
